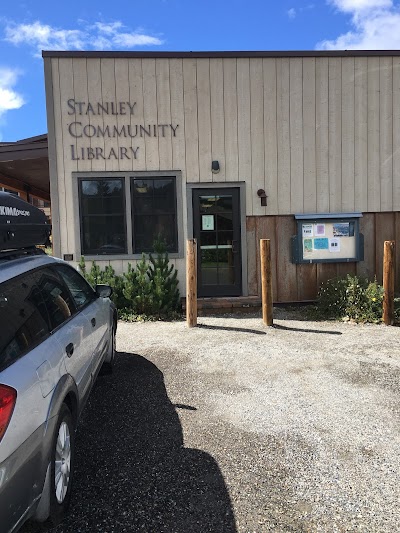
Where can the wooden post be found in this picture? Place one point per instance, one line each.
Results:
(266, 281)
(388, 282)
(191, 283)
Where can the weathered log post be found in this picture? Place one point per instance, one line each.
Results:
(266, 281)
(191, 283)
(388, 282)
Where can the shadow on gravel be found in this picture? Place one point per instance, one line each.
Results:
(132, 472)
(227, 328)
(304, 330)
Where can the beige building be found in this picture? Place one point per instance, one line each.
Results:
(227, 147)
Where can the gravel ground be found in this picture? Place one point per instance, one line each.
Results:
(237, 427)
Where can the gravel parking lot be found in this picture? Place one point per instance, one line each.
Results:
(237, 427)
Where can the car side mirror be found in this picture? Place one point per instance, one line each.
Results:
(104, 291)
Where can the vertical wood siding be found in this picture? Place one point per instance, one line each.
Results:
(292, 283)
(318, 134)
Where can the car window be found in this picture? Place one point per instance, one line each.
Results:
(58, 301)
(81, 291)
(23, 317)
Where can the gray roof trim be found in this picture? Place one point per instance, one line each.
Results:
(231, 54)
(312, 216)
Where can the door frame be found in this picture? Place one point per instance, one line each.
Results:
(241, 185)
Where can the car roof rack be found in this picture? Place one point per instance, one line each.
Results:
(21, 252)
(22, 226)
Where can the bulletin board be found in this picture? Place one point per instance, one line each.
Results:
(327, 238)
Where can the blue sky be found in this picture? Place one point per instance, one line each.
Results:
(27, 27)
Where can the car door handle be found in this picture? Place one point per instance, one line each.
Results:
(69, 349)
(93, 321)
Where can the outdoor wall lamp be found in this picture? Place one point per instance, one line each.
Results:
(261, 194)
(215, 167)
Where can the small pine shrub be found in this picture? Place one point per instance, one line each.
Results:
(164, 282)
(107, 276)
(148, 291)
(142, 302)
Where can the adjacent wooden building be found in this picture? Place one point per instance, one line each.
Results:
(226, 147)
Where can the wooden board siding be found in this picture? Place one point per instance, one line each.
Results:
(293, 283)
(319, 134)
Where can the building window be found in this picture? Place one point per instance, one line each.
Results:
(154, 213)
(102, 216)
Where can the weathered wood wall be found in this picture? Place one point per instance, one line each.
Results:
(319, 134)
(292, 283)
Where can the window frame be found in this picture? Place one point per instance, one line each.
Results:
(82, 215)
(126, 176)
(133, 214)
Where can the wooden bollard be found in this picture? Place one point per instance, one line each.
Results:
(266, 281)
(388, 282)
(191, 283)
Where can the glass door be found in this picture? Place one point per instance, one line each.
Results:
(216, 217)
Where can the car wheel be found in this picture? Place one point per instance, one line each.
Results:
(62, 462)
(109, 364)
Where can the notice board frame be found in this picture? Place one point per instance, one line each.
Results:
(316, 219)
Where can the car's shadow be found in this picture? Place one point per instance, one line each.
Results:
(132, 472)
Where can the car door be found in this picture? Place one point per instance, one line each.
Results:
(96, 310)
(30, 363)
(70, 328)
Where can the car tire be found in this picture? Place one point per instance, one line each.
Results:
(62, 465)
(108, 366)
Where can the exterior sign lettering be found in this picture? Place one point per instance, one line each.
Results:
(85, 130)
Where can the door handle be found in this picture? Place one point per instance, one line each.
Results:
(235, 248)
(93, 321)
(69, 349)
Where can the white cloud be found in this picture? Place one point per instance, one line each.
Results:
(350, 6)
(97, 36)
(375, 25)
(9, 98)
(291, 13)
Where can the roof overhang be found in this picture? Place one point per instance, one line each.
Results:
(24, 164)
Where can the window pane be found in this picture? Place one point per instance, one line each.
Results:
(209, 276)
(226, 276)
(143, 204)
(82, 292)
(149, 228)
(103, 235)
(224, 221)
(102, 187)
(57, 299)
(142, 187)
(207, 203)
(103, 216)
(154, 213)
(23, 317)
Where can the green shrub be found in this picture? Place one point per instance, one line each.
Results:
(351, 297)
(147, 291)
(163, 282)
(108, 277)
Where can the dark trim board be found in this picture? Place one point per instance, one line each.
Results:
(221, 54)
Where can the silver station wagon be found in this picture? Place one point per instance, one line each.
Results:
(56, 333)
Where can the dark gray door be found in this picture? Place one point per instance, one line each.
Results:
(216, 218)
